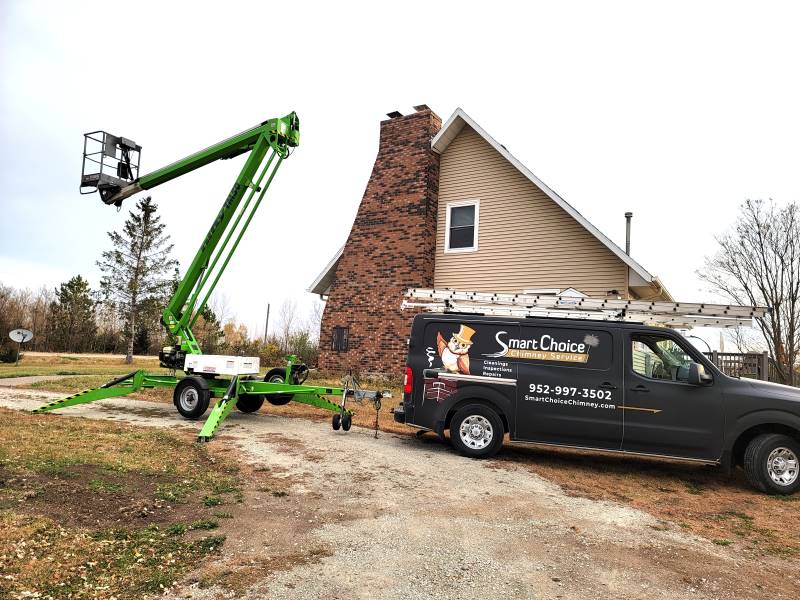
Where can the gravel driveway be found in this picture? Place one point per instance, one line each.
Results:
(399, 517)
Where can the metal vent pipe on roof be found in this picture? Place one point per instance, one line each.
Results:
(628, 216)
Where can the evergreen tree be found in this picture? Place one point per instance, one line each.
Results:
(137, 267)
(71, 324)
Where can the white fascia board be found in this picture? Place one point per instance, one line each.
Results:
(326, 273)
(453, 127)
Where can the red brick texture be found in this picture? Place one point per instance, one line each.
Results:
(391, 247)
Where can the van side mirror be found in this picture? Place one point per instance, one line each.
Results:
(698, 375)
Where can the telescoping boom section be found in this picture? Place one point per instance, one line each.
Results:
(111, 167)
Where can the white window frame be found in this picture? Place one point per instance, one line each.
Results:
(472, 202)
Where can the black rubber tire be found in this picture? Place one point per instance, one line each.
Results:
(755, 462)
(189, 386)
(497, 431)
(277, 376)
(249, 403)
(347, 421)
(336, 421)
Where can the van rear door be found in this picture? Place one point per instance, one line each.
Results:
(569, 385)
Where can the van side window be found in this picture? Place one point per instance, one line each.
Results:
(659, 357)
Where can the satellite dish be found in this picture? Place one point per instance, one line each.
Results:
(21, 335)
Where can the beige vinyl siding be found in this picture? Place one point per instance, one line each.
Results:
(525, 240)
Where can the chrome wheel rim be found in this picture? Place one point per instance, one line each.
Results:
(189, 399)
(782, 466)
(276, 379)
(476, 432)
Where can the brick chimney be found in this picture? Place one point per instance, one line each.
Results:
(391, 247)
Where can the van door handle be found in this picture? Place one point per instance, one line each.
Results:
(607, 386)
(640, 388)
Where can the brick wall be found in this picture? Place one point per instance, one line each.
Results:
(391, 247)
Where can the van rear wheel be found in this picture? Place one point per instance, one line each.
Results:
(772, 463)
(476, 431)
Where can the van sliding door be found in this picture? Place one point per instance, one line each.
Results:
(569, 386)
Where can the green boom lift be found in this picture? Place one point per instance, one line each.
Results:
(111, 167)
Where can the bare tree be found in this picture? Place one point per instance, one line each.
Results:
(315, 319)
(758, 263)
(745, 340)
(221, 307)
(287, 315)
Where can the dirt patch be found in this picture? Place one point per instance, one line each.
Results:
(88, 496)
(696, 498)
(141, 411)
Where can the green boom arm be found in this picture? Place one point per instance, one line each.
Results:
(267, 144)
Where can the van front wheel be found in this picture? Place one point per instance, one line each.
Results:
(772, 463)
(476, 431)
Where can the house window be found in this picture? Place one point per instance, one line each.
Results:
(461, 233)
(339, 340)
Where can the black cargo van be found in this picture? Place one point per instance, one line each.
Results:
(605, 385)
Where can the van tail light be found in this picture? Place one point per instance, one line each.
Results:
(408, 381)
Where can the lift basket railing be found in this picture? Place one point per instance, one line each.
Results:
(110, 163)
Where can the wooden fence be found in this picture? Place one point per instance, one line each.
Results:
(755, 365)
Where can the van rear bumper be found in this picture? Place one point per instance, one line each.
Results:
(399, 414)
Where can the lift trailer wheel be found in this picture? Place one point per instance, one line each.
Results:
(347, 421)
(191, 397)
(277, 376)
(249, 403)
(336, 421)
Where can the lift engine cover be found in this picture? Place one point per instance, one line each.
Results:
(214, 364)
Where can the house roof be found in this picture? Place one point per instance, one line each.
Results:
(453, 127)
(640, 277)
(323, 282)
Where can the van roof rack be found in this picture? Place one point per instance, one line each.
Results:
(678, 315)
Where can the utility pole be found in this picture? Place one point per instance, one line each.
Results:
(266, 325)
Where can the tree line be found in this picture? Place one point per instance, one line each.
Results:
(123, 315)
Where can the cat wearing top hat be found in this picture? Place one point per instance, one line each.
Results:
(455, 353)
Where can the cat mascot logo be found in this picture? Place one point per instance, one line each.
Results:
(455, 353)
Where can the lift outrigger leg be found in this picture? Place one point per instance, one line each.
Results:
(121, 386)
(221, 410)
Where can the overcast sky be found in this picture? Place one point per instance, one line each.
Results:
(677, 113)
